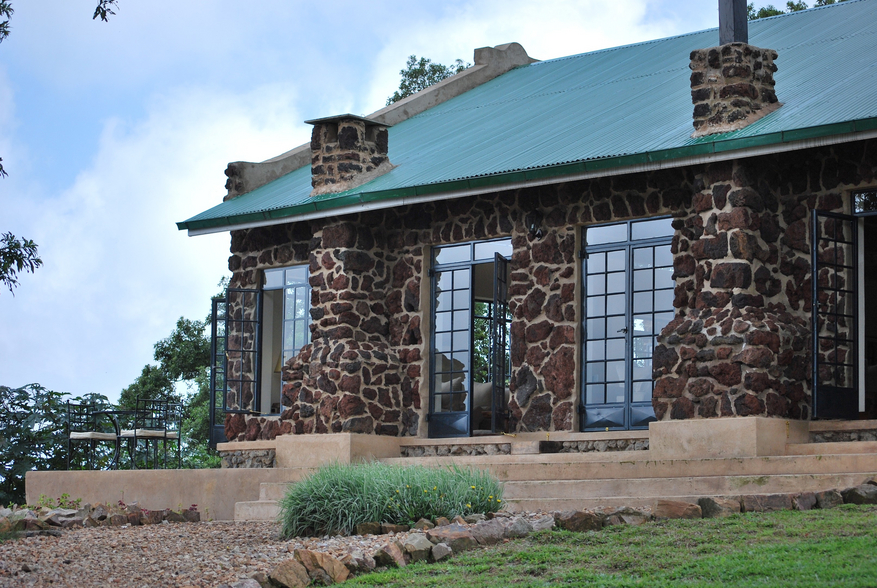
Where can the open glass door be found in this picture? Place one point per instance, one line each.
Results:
(217, 371)
(468, 359)
(835, 315)
(499, 346)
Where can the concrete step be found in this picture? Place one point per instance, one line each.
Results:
(256, 510)
(833, 448)
(639, 465)
(576, 480)
(662, 487)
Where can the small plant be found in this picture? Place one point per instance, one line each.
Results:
(338, 497)
(66, 502)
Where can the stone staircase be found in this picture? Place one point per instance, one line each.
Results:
(267, 507)
(562, 481)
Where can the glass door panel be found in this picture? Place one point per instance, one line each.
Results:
(628, 300)
(469, 327)
(835, 316)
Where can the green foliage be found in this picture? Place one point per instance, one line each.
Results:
(780, 549)
(104, 8)
(16, 256)
(183, 355)
(186, 352)
(422, 73)
(183, 358)
(771, 10)
(338, 497)
(64, 501)
(481, 368)
(33, 424)
(6, 12)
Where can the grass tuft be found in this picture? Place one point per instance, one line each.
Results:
(338, 497)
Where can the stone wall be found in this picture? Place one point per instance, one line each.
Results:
(738, 346)
(864, 434)
(544, 281)
(249, 458)
(348, 379)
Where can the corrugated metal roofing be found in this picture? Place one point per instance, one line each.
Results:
(625, 101)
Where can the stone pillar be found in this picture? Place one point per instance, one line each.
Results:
(348, 378)
(739, 343)
(731, 87)
(543, 351)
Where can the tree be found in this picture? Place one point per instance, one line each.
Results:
(771, 10)
(33, 424)
(16, 255)
(183, 358)
(5, 11)
(422, 73)
(103, 10)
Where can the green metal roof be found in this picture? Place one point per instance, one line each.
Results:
(601, 110)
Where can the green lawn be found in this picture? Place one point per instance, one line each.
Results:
(821, 548)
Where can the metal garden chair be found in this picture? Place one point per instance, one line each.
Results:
(154, 421)
(173, 431)
(83, 425)
(150, 427)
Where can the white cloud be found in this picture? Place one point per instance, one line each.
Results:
(117, 272)
(546, 31)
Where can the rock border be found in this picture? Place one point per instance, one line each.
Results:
(434, 541)
(43, 520)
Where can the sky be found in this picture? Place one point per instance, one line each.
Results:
(113, 131)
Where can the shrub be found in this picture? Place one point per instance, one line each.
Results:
(338, 497)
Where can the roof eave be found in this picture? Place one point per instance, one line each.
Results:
(697, 153)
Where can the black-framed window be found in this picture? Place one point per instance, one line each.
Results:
(285, 321)
(469, 352)
(628, 298)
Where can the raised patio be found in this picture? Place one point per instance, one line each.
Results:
(680, 460)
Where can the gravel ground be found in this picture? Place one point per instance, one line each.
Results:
(191, 554)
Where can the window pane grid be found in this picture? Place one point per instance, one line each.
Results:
(452, 348)
(621, 328)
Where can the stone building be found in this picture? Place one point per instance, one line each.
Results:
(674, 230)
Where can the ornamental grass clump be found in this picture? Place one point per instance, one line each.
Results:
(338, 497)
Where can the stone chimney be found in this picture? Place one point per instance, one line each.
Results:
(732, 85)
(347, 151)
